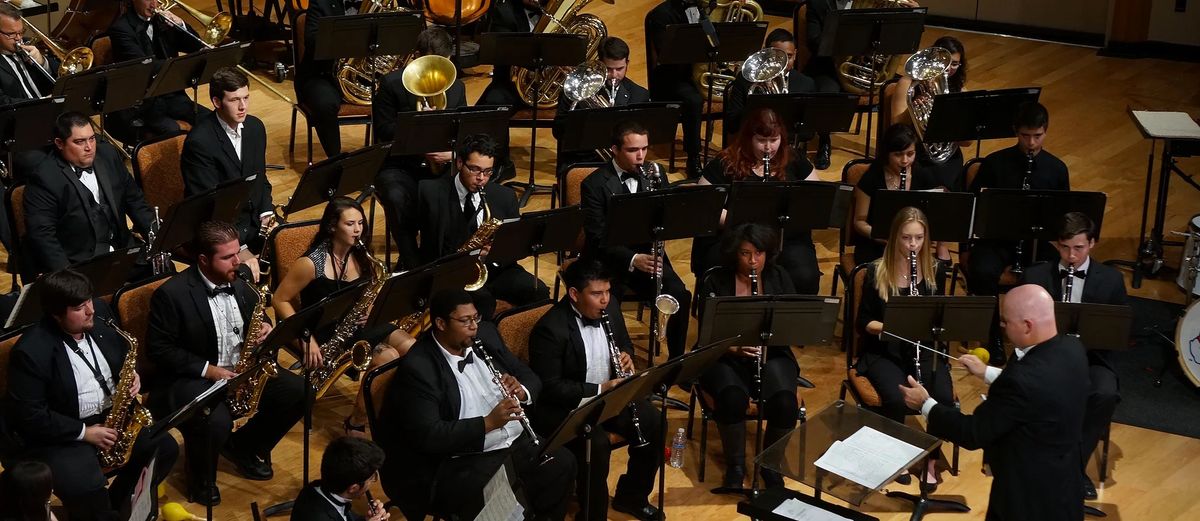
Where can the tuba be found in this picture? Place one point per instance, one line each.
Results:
(127, 416)
(718, 80)
(859, 74)
(582, 86)
(356, 76)
(243, 399)
(765, 70)
(564, 15)
(76, 60)
(429, 77)
(927, 68)
(482, 237)
(335, 355)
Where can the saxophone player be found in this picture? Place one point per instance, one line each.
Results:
(335, 260)
(197, 323)
(451, 208)
(62, 378)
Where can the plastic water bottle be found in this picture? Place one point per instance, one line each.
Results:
(677, 447)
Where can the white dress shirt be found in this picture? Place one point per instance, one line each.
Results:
(989, 375)
(92, 399)
(333, 499)
(1077, 284)
(227, 319)
(478, 395)
(595, 346)
(89, 180)
(234, 134)
(463, 193)
(149, 26)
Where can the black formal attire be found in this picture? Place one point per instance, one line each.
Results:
(322, 286)
(155, 116)
(888, 363)
(436, 459)
(444, 227)
(315, 503)
(739, 90)
(674, 82)
(43, 406)
(1101, 284)
(182, 340)
(798, 255)
(316, 87)
(396, 182)
(209, 159)
(820, 68)
(1006, 169)
(628, 92)
(1029, 429)
(597, 189)
(874, 179)
(559, 354)
(20, 80)
(66, 225)
(505, 16)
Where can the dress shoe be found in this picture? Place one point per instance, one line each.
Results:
(248, 465)
(824, 154)
(207, 496)
(639, 508)
(1089, 489)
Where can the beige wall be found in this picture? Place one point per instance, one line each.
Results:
(1089, 16)
(1166, 25)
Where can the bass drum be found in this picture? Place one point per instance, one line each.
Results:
(1187, 342)
(1189, 261)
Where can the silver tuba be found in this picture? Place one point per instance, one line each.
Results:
(927, 68)
(723, 73)
(765, 71)
(582, 86)
(559, 16)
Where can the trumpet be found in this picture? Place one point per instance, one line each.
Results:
(615, 354)
(664, 304)
(498, 379)
(1069, 284)
(1017, 269)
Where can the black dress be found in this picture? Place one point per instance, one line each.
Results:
(798, 256)
(873, 180)
(322, 287)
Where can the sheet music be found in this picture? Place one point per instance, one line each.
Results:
(216, 386)
(12, 315)
(499, 502)
(142, 501)
(1177, 125)
(800, 511)
(868, 457)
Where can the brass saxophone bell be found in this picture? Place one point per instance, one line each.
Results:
(666, 306)
(360, 355)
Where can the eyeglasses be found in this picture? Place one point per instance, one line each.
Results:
(16, 35)
(475, 170)
(469, 321)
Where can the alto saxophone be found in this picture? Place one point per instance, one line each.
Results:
(243, 399)
(481, 238)
(335, 356)
(128, 416)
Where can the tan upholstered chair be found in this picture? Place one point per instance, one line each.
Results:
(132, 305)
(851, 174)
(516, 324)
(156, 168)
(348, 114)
(287, 243)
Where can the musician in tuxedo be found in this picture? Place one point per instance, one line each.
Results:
(348, 468)
(1029, 426)
(316, 86)
(632, 266)
(197, 324)
(614, 57)
(795, 81)
(1024, 165)
(144, 32)
(1095, 283)
(19, 79)
(452, 207)
(673, 82)
(396, 182)
(569, 350)
(445, 423)
(62, 376)
(77, 203)
(229, 144)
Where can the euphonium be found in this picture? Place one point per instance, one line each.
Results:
(614, 354)
(428, 78)
(765, 71)
(336, 355)
(927, 68)
(76, 60)
(1069, 284)
(356, 76)
(482, 237)
(127, 415)
(243, 399)
(723, 73)
(559, 16)
(859, 74)
(582, 86)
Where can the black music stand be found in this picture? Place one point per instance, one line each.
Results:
(28, 125)
(643, 218)
(409, 292)
(343, 174)
(1098, 326)
(107, 273)
(866, 32)
(793, 207)
(782, 320)
(1009, 214)
(421, 132)
(950, 214)
(710, 43)
(808, 113)
(534, 52)
(106, 89)
(591, 129)
(192, 70)
(219, 204)
(976, 115)
(536, 233)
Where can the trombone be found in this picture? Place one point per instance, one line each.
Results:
(76, 60)
(215, 28)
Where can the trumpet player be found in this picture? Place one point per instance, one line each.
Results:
(145, 31)
(749, 268)
(20, 78)
(446, 420)
(570, 350)
(795, 81)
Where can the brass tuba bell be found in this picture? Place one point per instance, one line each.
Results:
(429, 77)
(764, 70)
(927, 68)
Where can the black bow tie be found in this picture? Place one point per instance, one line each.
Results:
(625, 176)
(462, 364)
(226, 289)
(80, 171)
(1078, 273)
(589, 322)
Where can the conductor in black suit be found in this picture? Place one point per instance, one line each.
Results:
(396, 183)
(144, 33)
(1095, 283)
(197, 324)
(618, 91)
(348, 467)
(631, 266)
(76, 204)
(61, 378)
(315, 85)
(445, 424)
(1030, 425)
(451, 208)
(19, 79)
(569, 350)
(229, 144)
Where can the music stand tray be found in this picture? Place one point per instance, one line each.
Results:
(785, 319)
(643, 217)
(532, 50)
(857, 32)
(409, 292)
(366, 35)
(106, 89)
(1098, 326)
(421, 132)
(688, 44)
(27, 125)
(192, 70)
(809, 112)
(536, 233)
(976, 115)
(591, 128)
(950, 214)
(940, 318)
(1009, 214)
(221, 204)
(107, 273)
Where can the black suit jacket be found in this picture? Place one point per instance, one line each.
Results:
(11, 90)
(1029, 428)
(440, 220)
(597, 189)
(393, 99)
(1104, 285)
(558, 356)
(308, 66)
(60, 231)
(310, 505)
(209, 160)
(43, 401)
(130, 41)
(182, 335)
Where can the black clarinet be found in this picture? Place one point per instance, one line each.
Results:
(370, 505)
(761, 359)
(1069, 284)
(1017, 269)
(903, 178)
(766, 166)
(912, 292)
(615, 354)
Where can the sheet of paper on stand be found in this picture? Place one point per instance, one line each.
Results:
(801, 511)
(868, 457)
(499, 502)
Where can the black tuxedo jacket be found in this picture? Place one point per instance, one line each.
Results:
(1029, 428)
(308, 66)
(43, 401)
(558, 356)
(10, 85)
(597, 189)
(440, 220)
(209, 160)
(130, 41)
(1104, 285)
(60, 231)
(182, 335)
(310, 505)
(393, 99)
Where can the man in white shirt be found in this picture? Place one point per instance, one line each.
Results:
(19, 78)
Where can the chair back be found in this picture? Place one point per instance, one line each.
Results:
(886, 92)
(851, 174)
(800, 33)
(375, 385)
(515, 325)
(572, 192)
(864, 392)
(156, 168)
(6, 345)
(132, 305)
(102, 53)
(970, 170)
(14, 198)
(298, 36)
(287, 243)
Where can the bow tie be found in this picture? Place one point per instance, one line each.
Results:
(226, 289)
(80, 171)
(1078, 273)
(589, 322)
(462, 364)
(625, 176)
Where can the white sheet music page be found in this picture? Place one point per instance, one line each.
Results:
(1169, 125)
(868, 457)
(800, 511)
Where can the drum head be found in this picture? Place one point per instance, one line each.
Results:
(1187, 342)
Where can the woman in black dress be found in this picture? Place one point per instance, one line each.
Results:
(334, 261)
(732, 381)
